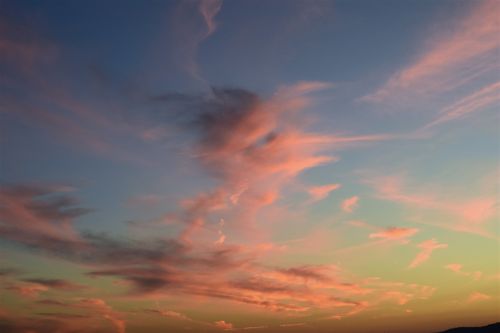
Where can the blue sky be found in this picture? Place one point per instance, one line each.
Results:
(229, 165)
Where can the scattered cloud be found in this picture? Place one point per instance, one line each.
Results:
(168, 314)
(469, 215)
(427, 247)
(457, 268)
(394, 233)
(223, 325)
(350, 204)
(27, 289)
(318, 193)
(477, 297)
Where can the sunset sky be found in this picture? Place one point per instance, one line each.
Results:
(262, 166)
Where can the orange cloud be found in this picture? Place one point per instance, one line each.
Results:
(27, 215)
(168, 314)
(28, 289)
(477, 297)
(101, 307)
(457, 268)
(223, 325)
(427, 247)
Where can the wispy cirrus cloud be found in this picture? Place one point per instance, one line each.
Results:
(472, 215)
(320, 192)
(457, 269)
(485, 97)
(192, 23)
(450, 60)
(20, 49)
(394, 233)
(168, 314)
(427, 247)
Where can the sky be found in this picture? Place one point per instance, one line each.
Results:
(261, 166)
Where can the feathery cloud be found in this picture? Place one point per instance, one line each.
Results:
(427, 247)
(448, 61)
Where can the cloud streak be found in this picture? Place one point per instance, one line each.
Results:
(427, 247)
(485, 97)
(445, 63)
(394, 233)
(193, 22)
(318, 193)
(470, 215)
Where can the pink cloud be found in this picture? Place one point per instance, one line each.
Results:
(101, 307)
(168, 314)
(394, 233)
(470, 215)
(27, 215)
(254, 152)
(454, 267)
(427, 247)
(222, 237)
(457, 268)
(209, 10)
(321, 192)
(447, 62)
(349, 204)
(475, 102)
(477, 210)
